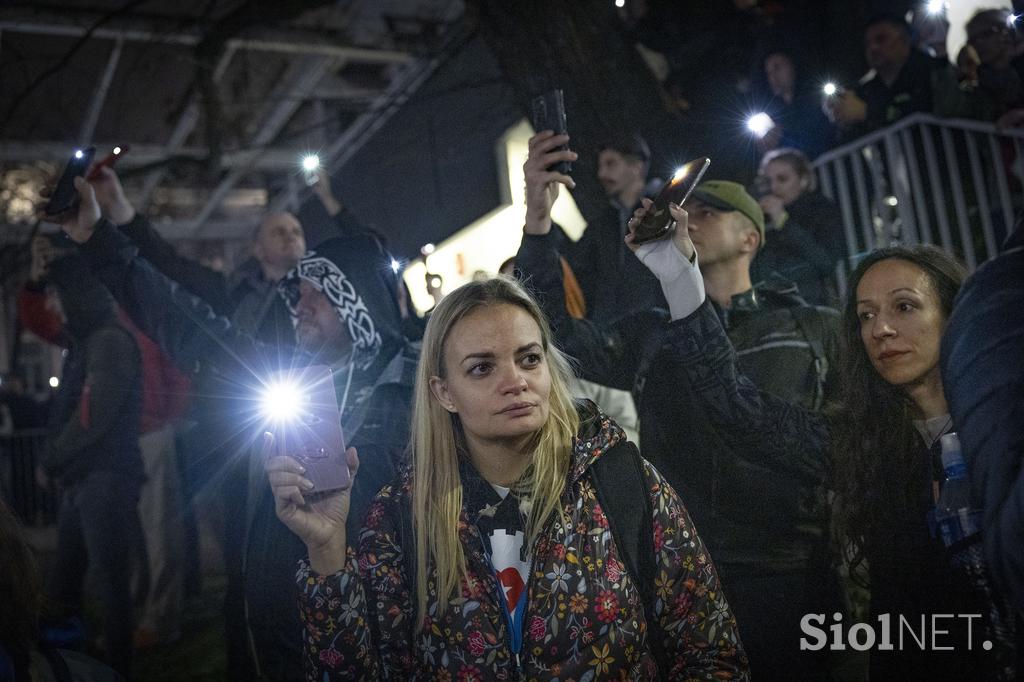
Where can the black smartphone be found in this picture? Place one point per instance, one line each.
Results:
(656, 222)
(548, 113)
(65, 196)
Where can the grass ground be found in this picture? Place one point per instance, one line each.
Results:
(199, 654)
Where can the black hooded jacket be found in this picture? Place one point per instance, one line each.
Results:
(375, 388)
(94, 420)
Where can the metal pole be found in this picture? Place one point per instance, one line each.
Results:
(844, 198)
(183, 128)
(955, 186)
(861, 188)
(898, 186)
(917, 191)
(981, 193)
(935, 181)
(1001, 184)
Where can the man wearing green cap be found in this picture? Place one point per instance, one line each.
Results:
(766, 530)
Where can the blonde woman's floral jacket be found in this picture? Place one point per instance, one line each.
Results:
(585, 617)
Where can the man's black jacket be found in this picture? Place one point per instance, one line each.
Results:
(752, 513)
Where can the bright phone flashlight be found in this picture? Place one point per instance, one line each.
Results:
(830, 89)
(760, 124)
(310, 162)
(281, 401)
(78, 153)
(935, 6)
(395, 266)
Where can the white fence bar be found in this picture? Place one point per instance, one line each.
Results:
(924, 223)
(957, 192)
(981, 196)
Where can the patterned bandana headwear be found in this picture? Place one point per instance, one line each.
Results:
(327, 277)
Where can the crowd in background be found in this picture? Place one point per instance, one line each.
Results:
(489, 529)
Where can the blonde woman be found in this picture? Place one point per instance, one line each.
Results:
(492, 558)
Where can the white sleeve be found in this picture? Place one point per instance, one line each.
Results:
(680, 279)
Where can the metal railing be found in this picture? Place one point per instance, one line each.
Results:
(950, 182)
(19, 454)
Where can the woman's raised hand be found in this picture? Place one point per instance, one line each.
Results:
(317, 518)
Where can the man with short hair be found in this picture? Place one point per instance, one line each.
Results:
(766, 530)
(1000, 74)
(902, 80)
(612, 282)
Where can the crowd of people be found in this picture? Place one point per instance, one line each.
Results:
(500, 520)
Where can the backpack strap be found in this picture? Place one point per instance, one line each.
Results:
(809, 322)
(619, 482)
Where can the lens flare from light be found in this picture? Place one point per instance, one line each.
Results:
(935, 7)
(760, 123)
(830, 89)
(281, 401)
(1011, 20)
(310, 162)
(679, 174)
(395, 266)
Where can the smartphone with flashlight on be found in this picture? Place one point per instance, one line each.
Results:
(656, 223)
(311, 169)
(306, 422)
(107, 161)
(65, 196)
(548, 113)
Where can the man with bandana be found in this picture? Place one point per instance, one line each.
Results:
(343, 301)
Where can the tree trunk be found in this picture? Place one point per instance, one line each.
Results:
(580, 46)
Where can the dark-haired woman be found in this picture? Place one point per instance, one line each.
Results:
(878, 450)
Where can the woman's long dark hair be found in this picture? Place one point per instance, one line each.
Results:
(20, 594)
(877, 470)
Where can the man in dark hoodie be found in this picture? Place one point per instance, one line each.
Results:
(344, 304)
(93, 453)
(248, 297)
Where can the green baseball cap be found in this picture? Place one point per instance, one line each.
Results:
(731, 196)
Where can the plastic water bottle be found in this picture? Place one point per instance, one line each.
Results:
(953, 514)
